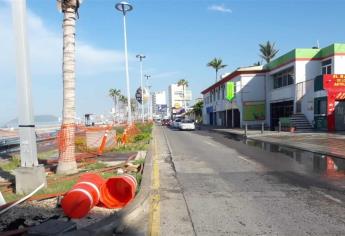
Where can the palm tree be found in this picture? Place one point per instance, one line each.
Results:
(133, 104)
(184, 84)
(216, 64)
(114, 94)
(268, 51)
(197, 109)
(67, 163)
(123, 103)
(123, 99)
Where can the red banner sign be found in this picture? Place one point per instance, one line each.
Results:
(334, 82)
(335, 87)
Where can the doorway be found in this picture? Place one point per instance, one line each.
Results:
(340, 115)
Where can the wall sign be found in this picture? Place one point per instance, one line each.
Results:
(335, 87)
(230, 90)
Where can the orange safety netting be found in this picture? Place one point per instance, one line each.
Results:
(65, 141)
(87, 140)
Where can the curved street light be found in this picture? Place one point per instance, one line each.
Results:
(125, 7)
(141, 57)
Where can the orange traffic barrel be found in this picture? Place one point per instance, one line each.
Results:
(118, 191)
(83, 196)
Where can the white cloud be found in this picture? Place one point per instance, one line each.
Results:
(220, 8)
(45, 43)
(46, 47)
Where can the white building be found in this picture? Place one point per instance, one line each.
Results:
(177, 97)
(289, 88)
(250, 93)
(159, 104)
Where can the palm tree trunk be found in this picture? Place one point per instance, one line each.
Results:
(115, 112)
(67, 163)
(216, 75)
(184, 100)
(114, 100)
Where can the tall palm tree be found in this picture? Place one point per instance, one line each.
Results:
(268, 51)
(216, 64)
(133, 105)
(123, 99)
(184, 84)
(114, 94)
(197, 109)
(67, 163)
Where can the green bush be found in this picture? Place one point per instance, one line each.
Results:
(144, 128)
(119, 129)
(142, 137)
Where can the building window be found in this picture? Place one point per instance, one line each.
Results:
(223, 91)
(283, 78)
(327, 67)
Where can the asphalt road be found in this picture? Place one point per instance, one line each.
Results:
(212, 185)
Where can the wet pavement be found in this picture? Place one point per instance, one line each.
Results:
(234, 187)
(331, 144)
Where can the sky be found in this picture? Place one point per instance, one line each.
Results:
(178, 38)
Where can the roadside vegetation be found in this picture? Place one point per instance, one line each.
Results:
(137, 141)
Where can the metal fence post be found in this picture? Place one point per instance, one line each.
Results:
(279, 126)
(245, 130)
(262, 127)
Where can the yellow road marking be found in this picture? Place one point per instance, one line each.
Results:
(154, 224)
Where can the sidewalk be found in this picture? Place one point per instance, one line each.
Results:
(330, 144)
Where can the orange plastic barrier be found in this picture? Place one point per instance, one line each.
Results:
(104, 141)
(83, 196)
(118, 191)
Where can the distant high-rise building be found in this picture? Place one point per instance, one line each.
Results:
(159, 104)
(176, 98)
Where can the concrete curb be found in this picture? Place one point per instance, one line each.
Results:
(117, 221)
(285, 144)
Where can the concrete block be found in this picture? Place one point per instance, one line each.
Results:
(29, 178)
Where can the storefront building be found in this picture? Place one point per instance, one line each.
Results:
(247, 105)
(292, 86)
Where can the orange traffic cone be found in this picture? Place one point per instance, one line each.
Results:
(118, 191)
(84, 195)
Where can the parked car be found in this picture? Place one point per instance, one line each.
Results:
(166, 122)
(158, 121)
(176, 123)
(187, 125)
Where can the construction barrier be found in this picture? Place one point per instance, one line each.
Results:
(84, 195)
(118, 191)
(102, 146)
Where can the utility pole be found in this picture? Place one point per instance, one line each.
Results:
(149, 99)
(141, 57)
(29, 175)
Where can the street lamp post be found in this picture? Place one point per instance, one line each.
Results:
(30, 175)
(149, 100)
(125, 7)
(141, 57)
